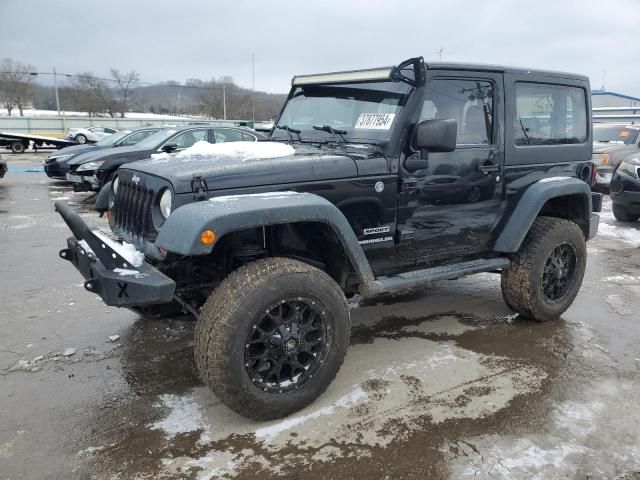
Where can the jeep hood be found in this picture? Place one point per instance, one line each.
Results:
(303, 163)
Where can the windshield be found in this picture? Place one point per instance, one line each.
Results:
(363, 112)
(113, 139)
(153, 140)
(615, 133)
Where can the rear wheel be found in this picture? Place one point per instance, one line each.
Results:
(271, 337)
(622, 214)
(81, 139)
(18, 147)
(546, 274)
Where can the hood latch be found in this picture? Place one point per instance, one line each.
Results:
(199, 188)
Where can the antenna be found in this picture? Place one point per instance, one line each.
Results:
(604, 77)
(439, 52)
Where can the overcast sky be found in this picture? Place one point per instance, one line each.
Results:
(180, 39)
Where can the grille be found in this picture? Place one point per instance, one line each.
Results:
(132, 212)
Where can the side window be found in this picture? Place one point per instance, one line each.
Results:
(469, 102)
(223, 135)
(136, 137)
(109, 130)
(96, 129)
(188, 138)
(549, 114)
(247, 137)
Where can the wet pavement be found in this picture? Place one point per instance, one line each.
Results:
(440, 383)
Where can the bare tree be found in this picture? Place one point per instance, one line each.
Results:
(92, 95)
(126, 85)
(15, 84)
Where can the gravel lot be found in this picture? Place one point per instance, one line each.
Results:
(440, 383)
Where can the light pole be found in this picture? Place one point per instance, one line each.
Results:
(224, 99)
(55, 86)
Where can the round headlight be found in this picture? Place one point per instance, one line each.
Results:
(165, 203)
(114, 185)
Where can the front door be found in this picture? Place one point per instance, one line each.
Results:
(450, 206)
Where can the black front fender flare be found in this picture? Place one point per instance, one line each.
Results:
(180, 233)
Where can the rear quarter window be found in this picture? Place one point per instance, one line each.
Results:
(548, 114)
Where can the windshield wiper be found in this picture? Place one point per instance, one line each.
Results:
(333, 131)
(524, 130)
(290, 130)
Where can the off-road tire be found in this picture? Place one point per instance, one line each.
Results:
(622, 214)
(231, 311)
(80, 139)
(18, 147)
(522, 281)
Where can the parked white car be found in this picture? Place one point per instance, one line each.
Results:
(91, 134)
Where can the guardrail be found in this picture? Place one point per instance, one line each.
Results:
(57, 126)
(616, 114)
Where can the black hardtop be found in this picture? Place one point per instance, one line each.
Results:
(503, 69)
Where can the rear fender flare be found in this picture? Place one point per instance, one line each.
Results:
(512, 232)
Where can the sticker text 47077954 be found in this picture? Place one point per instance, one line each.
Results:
(375, 121)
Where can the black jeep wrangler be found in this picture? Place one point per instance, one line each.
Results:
(388, 179)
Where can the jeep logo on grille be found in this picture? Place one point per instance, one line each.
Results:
(135, 179)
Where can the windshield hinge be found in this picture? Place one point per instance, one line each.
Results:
(199, 188)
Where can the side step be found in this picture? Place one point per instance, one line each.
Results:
(417, 278)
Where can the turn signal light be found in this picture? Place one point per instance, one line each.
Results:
(208, 237)
(605, 159)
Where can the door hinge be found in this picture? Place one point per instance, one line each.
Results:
(408, 185)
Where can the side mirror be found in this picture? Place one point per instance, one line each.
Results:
(169, 147)
(438, 135)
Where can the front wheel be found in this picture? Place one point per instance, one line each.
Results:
(271, 337)
(81, 139)
(546, 274)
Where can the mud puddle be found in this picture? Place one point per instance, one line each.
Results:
(410, 389)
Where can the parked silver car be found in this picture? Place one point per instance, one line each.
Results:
(612, 143)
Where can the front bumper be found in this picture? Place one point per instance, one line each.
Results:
(56, 170)
(603, 176)
(629, 200)
(84, 183)
(109, 275)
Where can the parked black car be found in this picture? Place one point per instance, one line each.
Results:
(625, 190)
(3, 167)
(90, 171)
(56, 165)
(263, 246)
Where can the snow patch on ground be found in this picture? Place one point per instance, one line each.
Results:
(628, 235)
(270, 432)
(185, 416)
(236, 150)
(622, 279)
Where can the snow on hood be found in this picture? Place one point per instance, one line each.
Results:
(239, 150)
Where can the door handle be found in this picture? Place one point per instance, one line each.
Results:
(487, 169)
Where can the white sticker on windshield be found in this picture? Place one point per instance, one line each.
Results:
(375, 121)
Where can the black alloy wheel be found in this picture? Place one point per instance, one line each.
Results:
(559, 272)
(287, 346)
